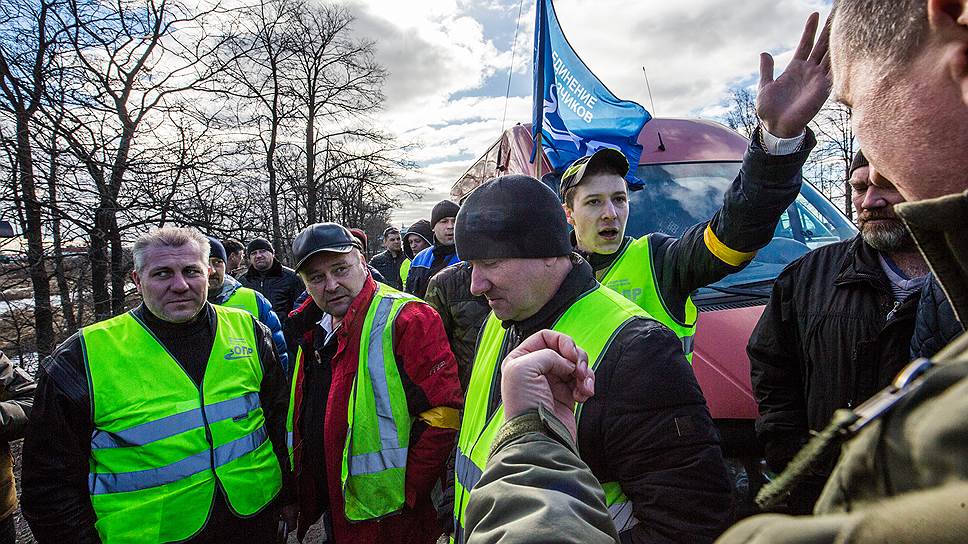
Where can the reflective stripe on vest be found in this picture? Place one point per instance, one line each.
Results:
(244, 298)
(161, 444)
(592, 321)
(632, 275)
(374, 461)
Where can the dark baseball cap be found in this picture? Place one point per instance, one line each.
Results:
(605, 156)
(320, 237)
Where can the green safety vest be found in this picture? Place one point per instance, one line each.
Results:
(592, 321)
(243, 298)
(374, 463)
(632, 274)
(161, 444)
(405, 271)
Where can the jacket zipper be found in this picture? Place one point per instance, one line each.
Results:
(893, 310)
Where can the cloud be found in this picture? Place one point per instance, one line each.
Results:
(448, 62)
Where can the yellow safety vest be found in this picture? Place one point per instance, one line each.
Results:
(632, 275)
(161, 444)
(374, 462)
(592, 321)
(244, 298)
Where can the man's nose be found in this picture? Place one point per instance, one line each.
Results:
(610, 212)
(479, 284)
(178, 283)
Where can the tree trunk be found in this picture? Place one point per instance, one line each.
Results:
(118, 280)
(310, 167)
(100, 264)
(43, 314)
(63, 289)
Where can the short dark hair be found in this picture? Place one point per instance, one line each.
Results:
(593, 169)
(890, 30)
(232, 245)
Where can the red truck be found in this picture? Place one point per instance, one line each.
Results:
(686, 165)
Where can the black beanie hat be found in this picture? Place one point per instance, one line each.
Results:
(420, 228)
(259, 243)
(444, 208)
(859, 161)
(512, 217)
(217, 249)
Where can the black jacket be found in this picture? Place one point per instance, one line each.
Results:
(56, 450)
(830, 337)
(280, 284)
(463, 314)
(647, 426)
(936, 325)
(765, 186)
(389, 267)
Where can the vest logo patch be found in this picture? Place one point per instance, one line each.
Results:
(239, 350)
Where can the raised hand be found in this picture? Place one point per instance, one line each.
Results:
(548, 369)
(785, 105)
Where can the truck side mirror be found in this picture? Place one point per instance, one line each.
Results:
(6, 229)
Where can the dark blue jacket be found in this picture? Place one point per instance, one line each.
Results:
(427, 263)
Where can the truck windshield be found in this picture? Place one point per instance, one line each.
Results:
(674, 197)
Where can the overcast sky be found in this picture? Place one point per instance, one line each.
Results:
(449, 61)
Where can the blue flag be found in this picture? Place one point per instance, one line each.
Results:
(573, 111)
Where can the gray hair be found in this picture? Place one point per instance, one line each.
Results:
(168, 237)
(890, 30)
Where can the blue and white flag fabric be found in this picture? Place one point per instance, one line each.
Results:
(574, 112)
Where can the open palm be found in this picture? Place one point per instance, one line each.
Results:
(785, 105)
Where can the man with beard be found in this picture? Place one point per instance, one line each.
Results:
(835, 330)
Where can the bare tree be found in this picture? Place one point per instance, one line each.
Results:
(261, 53)
(26, 49)
(834, 152)
(336, 78)
(741, 116)
(134, 60)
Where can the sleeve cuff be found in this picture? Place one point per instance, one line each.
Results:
(537, 420)
(774, 145)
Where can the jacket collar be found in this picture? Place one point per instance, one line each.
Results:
(580, 280)
(861, 265)
(440, 250)
(938, 226)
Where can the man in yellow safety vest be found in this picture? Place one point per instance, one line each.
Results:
(375, 398)
(165, 423)
(646, 434)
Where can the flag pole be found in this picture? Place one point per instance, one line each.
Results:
(538, 153)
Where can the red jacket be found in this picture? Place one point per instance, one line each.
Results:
(429, 373)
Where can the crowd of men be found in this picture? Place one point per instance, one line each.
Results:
(517, 369)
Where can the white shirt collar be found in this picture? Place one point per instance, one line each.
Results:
(327, 325)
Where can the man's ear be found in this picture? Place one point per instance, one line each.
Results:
(136, 279)
(568, 214)
(949, 18)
